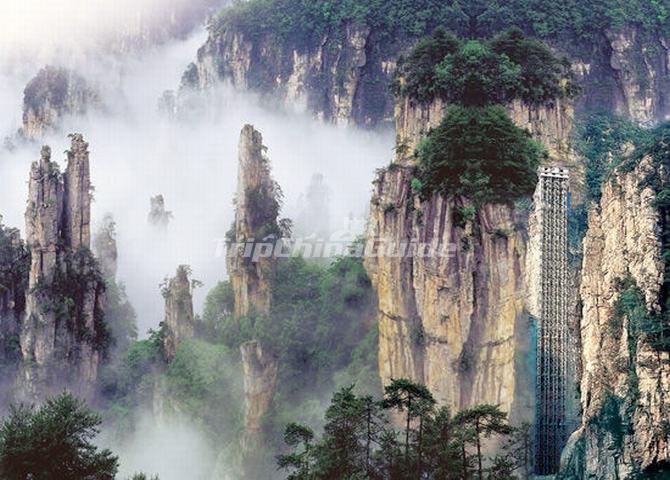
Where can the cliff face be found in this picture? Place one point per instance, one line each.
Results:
(14, 266)
(625, 385)
(257, 207)
(340, 78)
(343, 77)
(52, 94)
(63, 336)
(179, 322)
(630, 77)
(457, 321)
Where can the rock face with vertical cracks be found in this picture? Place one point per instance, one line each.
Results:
(63, 336)
(179, 323)
(256, 213)
(457, 320)
(625, 384)
(51, 95)
(257, 208)
(260, 369)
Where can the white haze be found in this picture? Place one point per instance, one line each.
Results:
(171, 448)
(136, 154)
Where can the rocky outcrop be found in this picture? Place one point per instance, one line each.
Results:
(456, 319)
(51, 95)
(179, 323)
(343, 76)
(255, 227)
(63, 337)
(14, 267)
(339, 78)
(257, 208)
(260, 370)
(625, 384)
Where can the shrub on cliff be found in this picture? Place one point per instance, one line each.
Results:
(479, 153)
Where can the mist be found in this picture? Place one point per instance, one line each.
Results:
(171, 448)
(136, 154)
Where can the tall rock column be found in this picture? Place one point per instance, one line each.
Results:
(257, 208)
(179, 322)
(625, 385)
(77, 184)
(63, 336)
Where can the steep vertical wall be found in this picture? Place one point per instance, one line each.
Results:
(625, 385)
(256, 213)
(179, 323)
(458, 322)
(52, 94)
(63, 336)
(14, 267)
(343, 76)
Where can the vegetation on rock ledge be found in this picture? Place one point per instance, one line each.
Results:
(479, 153)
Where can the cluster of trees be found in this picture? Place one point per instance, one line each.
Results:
(321, 328)
(477, 151)
(55, 441)
(359, 441)
(570, 22)
(483, 72)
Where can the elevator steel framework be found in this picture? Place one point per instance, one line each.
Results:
(553, 340)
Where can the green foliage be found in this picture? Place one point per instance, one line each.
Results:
(477, 72)
(479, 153)
(609, 418)
(219, 304)
(128, 380)
(120, 316)
(203, 379)
(360, 443)
(53, 441)
(475, 75)
(419, 76)
(303, 21)
(602, 140)
(572, 24)
(66, 295)
(14, 261)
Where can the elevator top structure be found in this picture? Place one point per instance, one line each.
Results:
(553, 172)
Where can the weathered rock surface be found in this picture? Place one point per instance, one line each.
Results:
(260, 369)
(340, 79)
(625, 385)
(179, 323)
(63, 336)
(14, 267)
(51, 95)
(343, 77)
(457, 321)
(256, 213)
(257, 208)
